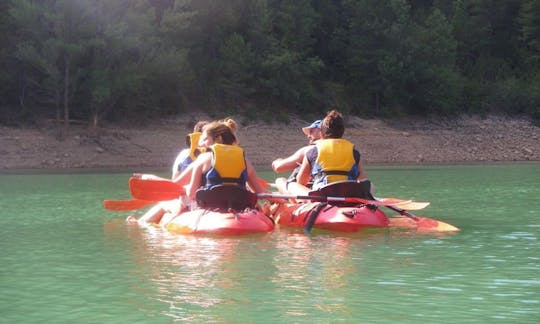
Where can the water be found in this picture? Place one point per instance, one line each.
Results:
(65, 259)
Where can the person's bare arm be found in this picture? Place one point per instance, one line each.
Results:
(304, 174)
(253, 179)
(198, 168)
(290, 162)
(362, 175)
(185, 177)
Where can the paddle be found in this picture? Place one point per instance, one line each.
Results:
(404, 204)
(424, 223)
(119, 205)
(154, 189)
(264, 183)
(163, 189)
(336, 199)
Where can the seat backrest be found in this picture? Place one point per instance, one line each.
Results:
(345, 189)
(226, 197)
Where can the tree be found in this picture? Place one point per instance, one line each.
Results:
(530, 29)
(290, 66)
(54, 35)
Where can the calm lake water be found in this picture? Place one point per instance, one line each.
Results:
(64, 259)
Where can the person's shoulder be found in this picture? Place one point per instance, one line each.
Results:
(184, 152)
(181, 156)
(311, 151)
(204, 156)
(310, 148)
(303, 150)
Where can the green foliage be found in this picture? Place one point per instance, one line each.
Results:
(140, 59)
(530, 26)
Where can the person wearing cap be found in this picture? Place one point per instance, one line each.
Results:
(292, 162)
(331, 159)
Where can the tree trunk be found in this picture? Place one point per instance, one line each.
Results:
(377, 104)
(93, 123)
(58, 105)
(66, 98)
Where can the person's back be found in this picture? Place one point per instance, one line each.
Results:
(331, 161)
(224, 162)
(228, 166)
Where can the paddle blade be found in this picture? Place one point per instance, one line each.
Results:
(422, 224)
(264, 183)
(120, 205)
(412, 205)
(426, 224)
(385, 202)
(154, 189)
(432, 225)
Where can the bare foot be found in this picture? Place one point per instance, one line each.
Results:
(131, 219)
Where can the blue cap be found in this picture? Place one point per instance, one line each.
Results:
(315, 124)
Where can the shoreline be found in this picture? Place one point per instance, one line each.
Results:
(152, 170)
(461, 141)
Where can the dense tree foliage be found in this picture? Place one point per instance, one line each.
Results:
(133, 60)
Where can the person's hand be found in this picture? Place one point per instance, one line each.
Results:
(146, 176)
(276, 161)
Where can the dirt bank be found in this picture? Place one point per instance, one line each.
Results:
(464, 140)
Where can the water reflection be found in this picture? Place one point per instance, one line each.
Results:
(186, 273)
(315, 273)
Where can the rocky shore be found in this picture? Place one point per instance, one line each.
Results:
(405, 141)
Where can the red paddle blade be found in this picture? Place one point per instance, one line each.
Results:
(422, 224)
(154, 190)
(264, 183)
(119, 205)
(432, 225)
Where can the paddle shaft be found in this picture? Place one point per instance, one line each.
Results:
(324, 198)
(404, 212)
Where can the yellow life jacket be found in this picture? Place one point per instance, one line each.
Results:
(228, 166)
(335, 162)
(193, 139)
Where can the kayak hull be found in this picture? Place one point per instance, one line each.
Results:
(221, 222)
(329, 217)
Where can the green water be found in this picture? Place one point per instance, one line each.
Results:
(64, 259)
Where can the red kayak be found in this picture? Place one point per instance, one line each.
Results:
(345, 206)
(352, 214)
(329, 217)
(223, 210)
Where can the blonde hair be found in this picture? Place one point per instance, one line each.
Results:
(198, 127)
(231, 123)
(222, 131)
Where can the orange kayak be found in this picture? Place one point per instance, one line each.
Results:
(221, 222)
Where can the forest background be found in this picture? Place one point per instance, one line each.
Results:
(131, 61)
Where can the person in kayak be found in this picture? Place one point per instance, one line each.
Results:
(188, 155)
(181, 163)
(224, 162)
(293, 162)
(331, 159)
